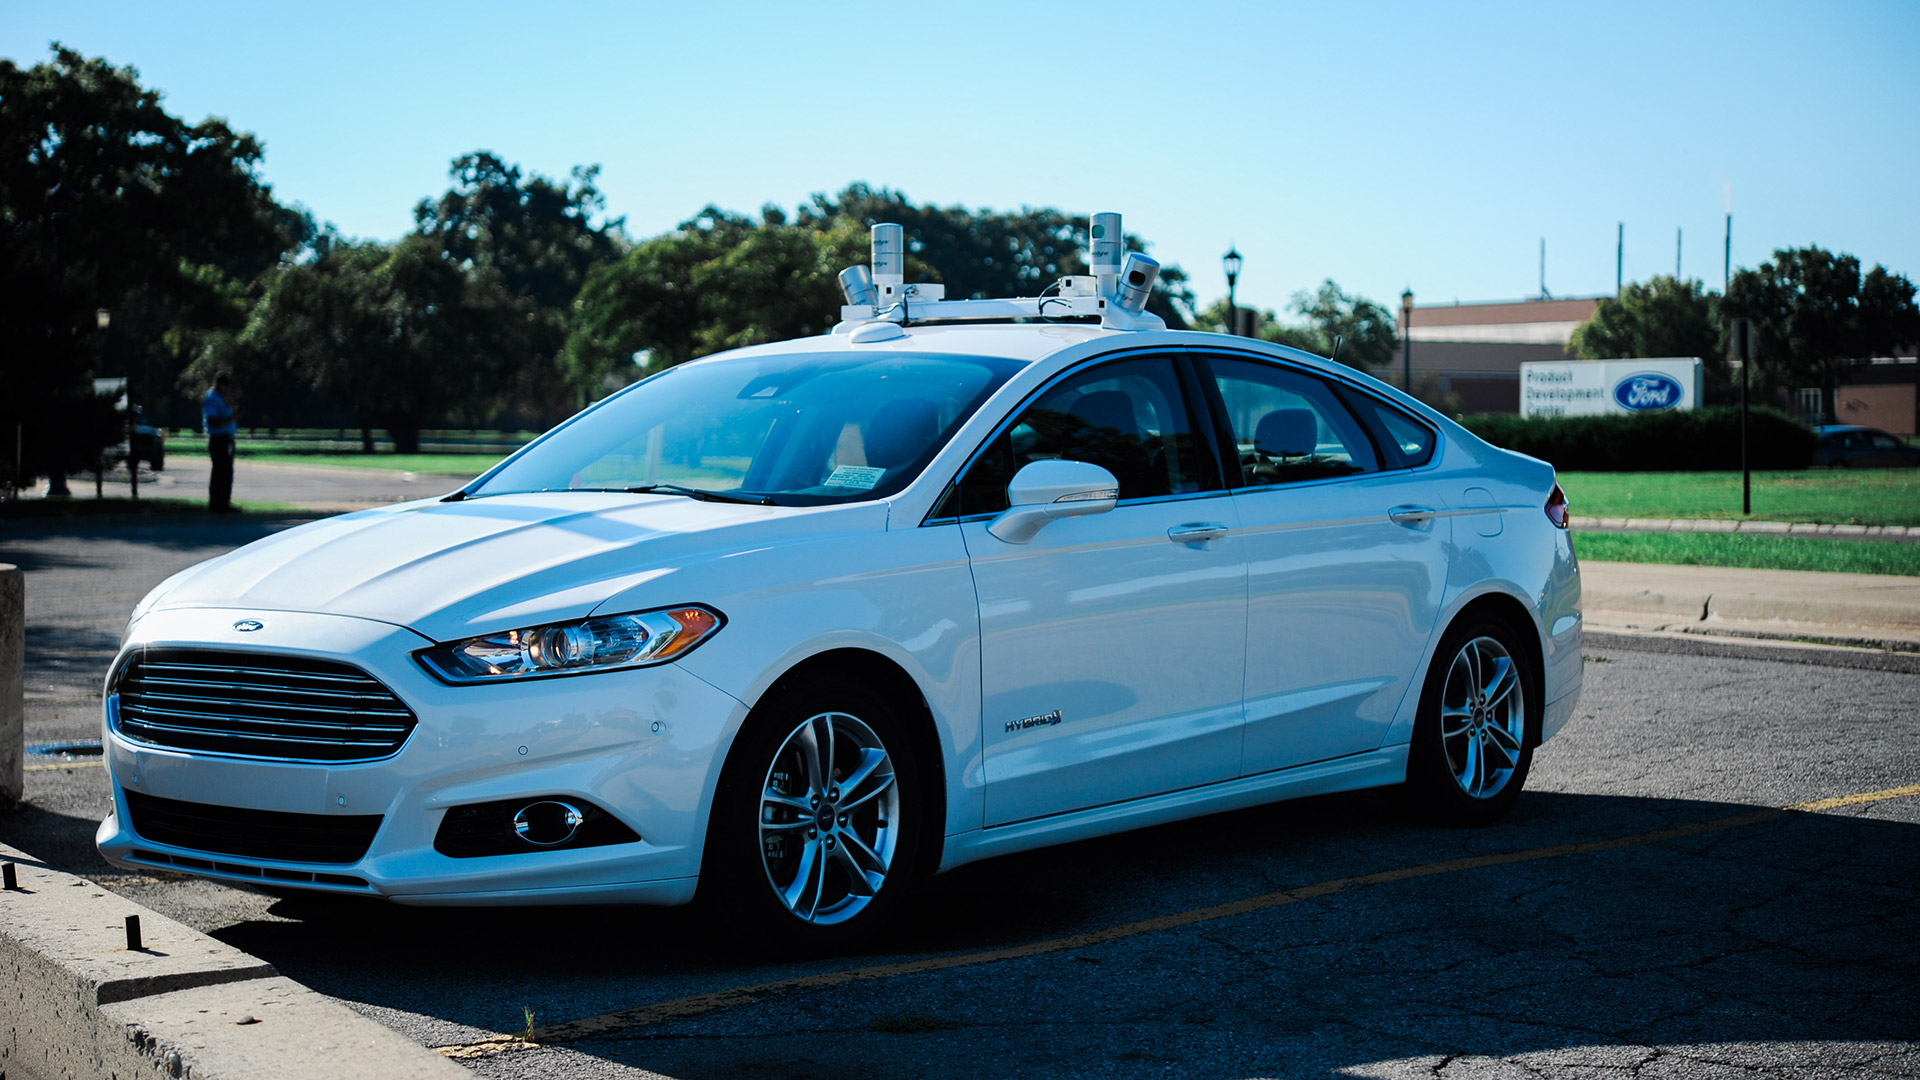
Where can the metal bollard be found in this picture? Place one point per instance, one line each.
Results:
(13, 713)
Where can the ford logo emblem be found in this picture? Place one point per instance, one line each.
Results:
(1647, 391)
(248, 626)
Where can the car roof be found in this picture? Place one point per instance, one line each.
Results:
(1024, 342)
(1028, 343)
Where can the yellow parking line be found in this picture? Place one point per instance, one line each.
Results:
(89, 763)
(1855, 800)
(679, 1008)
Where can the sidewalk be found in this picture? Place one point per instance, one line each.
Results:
(1872, 610)
(1898, 533)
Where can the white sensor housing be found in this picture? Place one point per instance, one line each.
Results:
(1136, 282)
(889, 255)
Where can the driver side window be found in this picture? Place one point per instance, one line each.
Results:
(1129, 417)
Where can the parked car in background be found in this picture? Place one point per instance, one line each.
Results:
(1850, 446)
(148, 444)
(795, 625)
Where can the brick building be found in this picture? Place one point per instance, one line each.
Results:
(1470, 354)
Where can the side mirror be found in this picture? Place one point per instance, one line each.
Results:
(1045, 490)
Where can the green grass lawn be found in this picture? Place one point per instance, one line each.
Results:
(1759, 552)
(464, 465)
(1837, 496)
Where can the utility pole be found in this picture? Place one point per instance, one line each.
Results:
(1543, 268)
(1619, 259)
(1406, 341)
(1676, 254)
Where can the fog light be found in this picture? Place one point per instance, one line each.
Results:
(545, 824)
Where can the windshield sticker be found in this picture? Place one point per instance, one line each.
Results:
(855, 476)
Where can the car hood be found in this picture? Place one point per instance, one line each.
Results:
(450, 570)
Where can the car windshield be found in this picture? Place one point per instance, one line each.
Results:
(792, 430)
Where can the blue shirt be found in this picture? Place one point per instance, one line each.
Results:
(219, 414)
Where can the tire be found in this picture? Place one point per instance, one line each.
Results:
(783, 872)
(159, 462)
(1478, 722)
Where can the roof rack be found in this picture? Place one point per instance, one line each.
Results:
(1115, 293)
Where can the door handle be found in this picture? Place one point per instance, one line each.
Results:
(1196, 532)
(1410, 516)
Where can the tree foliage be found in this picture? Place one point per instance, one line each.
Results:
(1659, 317)
(107, 201)
(464, 317)
(1814, 312)
(722, 280)
(1332, 323)
(383, 330)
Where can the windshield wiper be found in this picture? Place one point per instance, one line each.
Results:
(699, 493)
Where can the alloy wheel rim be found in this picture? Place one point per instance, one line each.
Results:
(1483, 718)
(829, 818)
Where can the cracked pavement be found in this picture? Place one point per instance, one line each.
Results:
(1785, 948)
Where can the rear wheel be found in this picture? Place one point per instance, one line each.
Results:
(1473, 740)
(817, 819)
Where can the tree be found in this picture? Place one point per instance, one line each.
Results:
(109, 202)
(525, 245)
(1359, 332)
(1335, 324)
(381, 329)
(1659, 317)
(719, 281)
(724, 280)
(1814, 313)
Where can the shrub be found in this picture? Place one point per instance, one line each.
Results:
(1669, 441)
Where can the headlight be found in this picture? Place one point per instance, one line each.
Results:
(602, 643)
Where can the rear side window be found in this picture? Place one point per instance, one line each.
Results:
(1288, 427)
(1406, 442)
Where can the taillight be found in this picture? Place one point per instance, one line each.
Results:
(1557, 508)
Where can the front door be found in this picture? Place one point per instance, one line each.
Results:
(1112, 645)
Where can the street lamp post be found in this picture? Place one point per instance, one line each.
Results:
(1231, 263)
(1406, 341)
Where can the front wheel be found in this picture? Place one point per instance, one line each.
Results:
(816, 820)
(1473, 740)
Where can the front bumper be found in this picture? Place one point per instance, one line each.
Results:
(643, 744)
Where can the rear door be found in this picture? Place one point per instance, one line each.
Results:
(1346, 552)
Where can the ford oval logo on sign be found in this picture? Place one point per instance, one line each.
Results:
(1647, 391)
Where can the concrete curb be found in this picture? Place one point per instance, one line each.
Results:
(1872, 610)
(82, 1004)
(1898, 533)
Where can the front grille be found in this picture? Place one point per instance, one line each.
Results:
(257, 705)
(253, 834)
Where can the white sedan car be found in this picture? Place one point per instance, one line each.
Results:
(796, 625)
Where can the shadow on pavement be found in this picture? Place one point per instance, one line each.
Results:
(1804, 928)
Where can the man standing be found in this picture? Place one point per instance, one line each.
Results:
(221, 429)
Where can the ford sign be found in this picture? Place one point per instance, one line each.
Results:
(1647, 391)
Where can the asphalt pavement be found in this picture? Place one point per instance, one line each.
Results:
(1648, 910)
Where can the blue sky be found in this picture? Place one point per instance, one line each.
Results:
(1383, 145)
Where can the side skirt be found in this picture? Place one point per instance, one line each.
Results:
(1375, 768)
